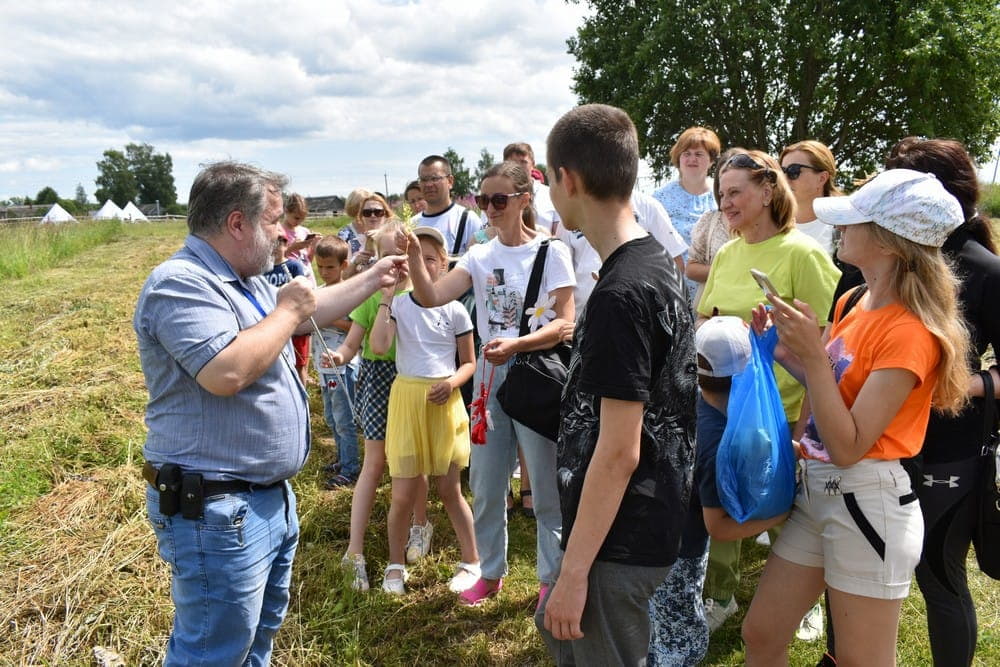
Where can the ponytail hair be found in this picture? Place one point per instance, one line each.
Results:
(522, 183)
(927, 287)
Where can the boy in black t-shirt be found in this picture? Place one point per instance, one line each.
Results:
(625, 450)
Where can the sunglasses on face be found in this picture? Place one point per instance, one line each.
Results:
(373, 213)
(794, 170)
(499, 201)
(744, 161)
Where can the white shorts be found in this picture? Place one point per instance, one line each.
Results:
(861, 524)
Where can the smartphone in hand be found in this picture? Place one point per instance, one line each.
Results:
(764, 282)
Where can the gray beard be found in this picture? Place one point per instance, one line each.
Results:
(260, 257)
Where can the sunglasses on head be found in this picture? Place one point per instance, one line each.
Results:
(373, 213)
(794, 170)
(744, 161)
(499, 201)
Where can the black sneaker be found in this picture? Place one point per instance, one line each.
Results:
(338, 481)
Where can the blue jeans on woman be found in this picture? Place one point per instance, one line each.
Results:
(231, 572)
(489, 476)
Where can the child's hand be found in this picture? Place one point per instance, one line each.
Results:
(409, 244)
(329, 359)
(439, 392)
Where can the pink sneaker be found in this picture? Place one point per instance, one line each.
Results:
(543, 590)
(479, 592)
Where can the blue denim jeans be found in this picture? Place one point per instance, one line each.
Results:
(340, 418)
(489, 478)
(231, 572)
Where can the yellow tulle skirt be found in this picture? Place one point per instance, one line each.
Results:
(423, 438)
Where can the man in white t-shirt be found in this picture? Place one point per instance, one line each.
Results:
(455, 222)
(650, 215)
(546, 215)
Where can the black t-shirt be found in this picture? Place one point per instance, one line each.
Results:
(634, 342)
(957, 438)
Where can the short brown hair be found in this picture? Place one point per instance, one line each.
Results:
(518, 148)
(767, 171)
(600, 143)
(332, 247)
(696, 136)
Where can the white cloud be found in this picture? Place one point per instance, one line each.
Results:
(349, 88)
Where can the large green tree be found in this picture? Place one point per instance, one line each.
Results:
(47, 195)
(153, 174)
(463, 179)
(115, 180)
(855, 74)
(138, 173)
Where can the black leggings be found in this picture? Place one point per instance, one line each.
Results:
(949, 505)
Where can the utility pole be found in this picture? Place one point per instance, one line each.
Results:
(386, 177)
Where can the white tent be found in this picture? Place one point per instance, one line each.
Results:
(58, 214)
(108, 211)
(132, 212)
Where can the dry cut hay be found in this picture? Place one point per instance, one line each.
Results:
(82, 572)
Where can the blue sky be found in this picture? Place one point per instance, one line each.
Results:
(335, 94)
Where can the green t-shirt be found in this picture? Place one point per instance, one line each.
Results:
(365, 315)
(798, 267)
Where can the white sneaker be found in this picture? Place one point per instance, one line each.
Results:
(716, 613)
(419, 544)
(396, 586)
(811, 627)
(356, 562)
(763, 539)
(466, 574)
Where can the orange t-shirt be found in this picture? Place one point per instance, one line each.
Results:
(866, 341)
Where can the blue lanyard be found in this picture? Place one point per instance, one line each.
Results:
(249, 295)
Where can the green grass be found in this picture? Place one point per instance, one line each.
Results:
(27, 248)
(989, 202)
(80, 566)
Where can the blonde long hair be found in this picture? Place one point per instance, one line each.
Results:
(927, 287)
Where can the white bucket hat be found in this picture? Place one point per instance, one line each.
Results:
(908, 203)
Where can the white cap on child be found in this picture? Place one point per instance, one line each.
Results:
(724, 342)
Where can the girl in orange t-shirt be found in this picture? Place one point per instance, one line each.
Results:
(856, 529)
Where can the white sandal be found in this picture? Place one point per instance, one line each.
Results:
(394, 585)
(466, 575)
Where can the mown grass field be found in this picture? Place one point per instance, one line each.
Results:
(80, 568)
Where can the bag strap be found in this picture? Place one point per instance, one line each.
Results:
(853, 300)
(989, 409)
(534, 284)
(461, 233)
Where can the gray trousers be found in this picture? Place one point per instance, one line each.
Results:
(615, 620)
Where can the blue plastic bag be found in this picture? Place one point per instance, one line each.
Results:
(755, 462)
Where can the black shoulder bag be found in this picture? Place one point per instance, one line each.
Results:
(532, 391)
(987, 537)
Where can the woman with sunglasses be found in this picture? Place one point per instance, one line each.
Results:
(810, 169)
(368, 211)
(760, 209)
(498, 273)
(873, 376)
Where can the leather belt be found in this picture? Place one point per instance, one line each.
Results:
(209, 487)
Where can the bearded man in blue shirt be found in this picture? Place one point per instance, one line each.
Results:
(228, 417)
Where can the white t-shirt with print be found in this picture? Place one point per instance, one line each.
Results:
(500, 276)
(447, 222)
(426, 337)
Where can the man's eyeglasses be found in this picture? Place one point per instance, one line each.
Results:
(431, 179)
(744, 161)
(499, 201)
(373, 213)
(794, 170)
